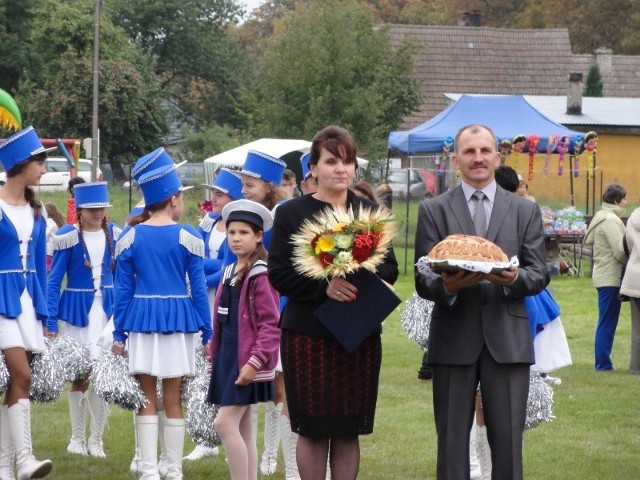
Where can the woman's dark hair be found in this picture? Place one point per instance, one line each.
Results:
(260, 253)
(336, 140)
(149, 209)
(614, 193)
(73, 182)
(54, 213)
(507, 178)
(29, 194)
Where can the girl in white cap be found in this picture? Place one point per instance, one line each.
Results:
(246, 336)
(84, 253)
(23, 308)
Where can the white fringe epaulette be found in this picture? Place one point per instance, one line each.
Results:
(116, 233)
(66, 240)
(125, 241)
(192, 243)
(207, 224)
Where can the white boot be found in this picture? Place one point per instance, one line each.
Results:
(289, 444)
(484, 452)
(78, 415)
(202, 451)
(7, 452)
(162, 459)
(272, 413)
(135, 461)
(26, 463)
(174, 445)
(147, 433)
(99, 414)
(474, 463)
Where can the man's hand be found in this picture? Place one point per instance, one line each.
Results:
(454, 282)
(506, 277)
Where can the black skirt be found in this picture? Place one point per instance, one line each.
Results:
(330, 392)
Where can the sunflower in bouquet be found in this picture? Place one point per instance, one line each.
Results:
(335, 243)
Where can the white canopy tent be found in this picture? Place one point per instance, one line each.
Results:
(290, 150)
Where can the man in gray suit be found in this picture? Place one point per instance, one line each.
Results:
(479, 325)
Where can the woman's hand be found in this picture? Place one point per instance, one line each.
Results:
(341, 290)
(118, 348)
(48, 333)
(247, 374)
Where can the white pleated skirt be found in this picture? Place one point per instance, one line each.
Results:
(24, 331)
(90, 334)
(163, 356)
(551, 348)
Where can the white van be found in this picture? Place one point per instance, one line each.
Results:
(58, 176)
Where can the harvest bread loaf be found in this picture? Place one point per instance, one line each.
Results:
(467, 247)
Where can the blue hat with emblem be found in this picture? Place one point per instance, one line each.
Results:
(249, 212)
(20, 147)
(91, 195)
(151, 161)
(159, 184)
(265, 167)
(228, 182)
(304, 160)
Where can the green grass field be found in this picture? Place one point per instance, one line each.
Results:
(595, 435)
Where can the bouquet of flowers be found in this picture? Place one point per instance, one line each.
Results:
(335, 243)
(205, 207)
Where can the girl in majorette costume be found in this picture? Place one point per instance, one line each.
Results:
(23, 308)
(244, 348)
(225, 188)
(84, 252)
(160, 304)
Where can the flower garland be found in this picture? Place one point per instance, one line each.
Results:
(335, 243)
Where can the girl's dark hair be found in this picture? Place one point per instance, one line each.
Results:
(107, 234)
(29, 194)
(363, 189)
(149, 209)
(336, 140)
(260, 253)
(273, 196)
(54, 213)
(614, 193)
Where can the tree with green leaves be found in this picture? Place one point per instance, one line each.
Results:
(329, 63)
(593, 86)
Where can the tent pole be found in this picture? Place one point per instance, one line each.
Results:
(571, 179)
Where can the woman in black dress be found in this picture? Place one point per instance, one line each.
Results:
(331, 393)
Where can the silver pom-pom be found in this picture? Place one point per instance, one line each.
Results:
(47, 374)
(111, 380)
(76, 358)
(4, 375)
(200, 414)
(416, 319)
(540, 401)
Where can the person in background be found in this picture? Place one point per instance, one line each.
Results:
(363, 189)
(631, 286)
(479, 326)
(23, 286)
(605, 234)
(340, 405)
(309, 183)
(226, 188)
(244, 348)
(523, 191)
(55, 220)
(289, 184)
(160, 305)
(84, 254)
(72, 217)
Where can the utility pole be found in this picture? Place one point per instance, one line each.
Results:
(95, 132)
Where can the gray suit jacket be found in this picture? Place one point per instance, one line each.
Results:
(484, 313)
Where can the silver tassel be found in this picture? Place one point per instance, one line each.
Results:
(47, 374)
(416, 319)
(76, 358)
(540, 401)
(114, 384)
(4, 375)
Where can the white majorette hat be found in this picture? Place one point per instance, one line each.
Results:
(20, 147)
(227, 181)
(263, 166)
(304, 160)
(91, 195)
(160, 184)
(249, 212)
(156, 159)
